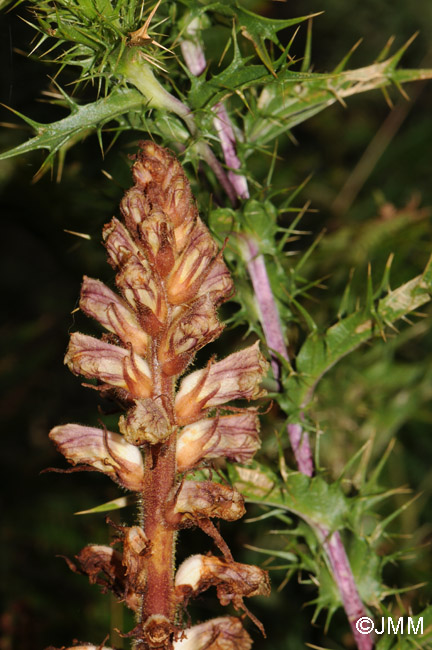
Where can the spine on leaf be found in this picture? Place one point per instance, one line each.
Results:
(171, 279)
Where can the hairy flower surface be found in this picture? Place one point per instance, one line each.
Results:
(232, 579)
(205, 499)
(232, 436)
(171, 278)
(102, 450)
(224, 633)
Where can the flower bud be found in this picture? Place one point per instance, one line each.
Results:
(224, 633)
(135, 209)
(104, 451)
(106, 307)
(176, 201)
(156, 165)
(190, 268)
(141, 288)
(109, 364)
(161, 176)
(182, 233)
(217, 283)
(236, 377)
(147, 421)
(158, 241)
(234, 437)
(118, 242)
(187, 334)
(232, 580)
(205, 499)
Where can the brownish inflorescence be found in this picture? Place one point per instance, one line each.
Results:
(171, 279)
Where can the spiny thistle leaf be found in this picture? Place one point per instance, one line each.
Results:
(312, 499)
(295, 96)
(81, 121)
(321, 351)
(257, 29)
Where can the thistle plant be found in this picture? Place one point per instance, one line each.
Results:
(184, 444)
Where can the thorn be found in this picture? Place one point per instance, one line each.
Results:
(77, 234)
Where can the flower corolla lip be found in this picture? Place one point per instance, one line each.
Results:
(232, 579)
(102, 450)
(206, 499)
(110, 364)
(99, 302)
(223, 633)
(238, 376)
(118, 242)
(233, 436)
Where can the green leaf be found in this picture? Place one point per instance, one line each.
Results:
(312, 499)
(258, 29)
(296, 96)
(115, 504)
(237, 76)
(81, 121)
(321, 351)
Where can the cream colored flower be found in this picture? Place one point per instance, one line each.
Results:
(238, 376)
(104, 451)
(233, 436)
(224, 633)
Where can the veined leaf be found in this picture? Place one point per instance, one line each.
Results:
(296, 96)
(81, 121)
(312, 499)
(322, 350)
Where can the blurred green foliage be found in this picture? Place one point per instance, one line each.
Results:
(377, 394)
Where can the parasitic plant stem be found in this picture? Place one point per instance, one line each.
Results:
(171, 278)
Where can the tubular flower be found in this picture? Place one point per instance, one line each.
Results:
(232, 579)
(171, 278)
(205, 499)
(236, 377)
(224, 633)
(231, 436)
(104, 451)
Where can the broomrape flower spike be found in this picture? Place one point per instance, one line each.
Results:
(171, 279)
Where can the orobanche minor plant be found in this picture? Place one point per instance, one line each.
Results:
(156, 69)
(172, 278)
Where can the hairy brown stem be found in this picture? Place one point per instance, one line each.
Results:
(159, 479)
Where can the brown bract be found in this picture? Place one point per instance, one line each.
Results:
(171, 278)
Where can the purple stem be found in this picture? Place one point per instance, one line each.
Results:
(270, 320)
(227, 139)
(194, 57)
(341, 570)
